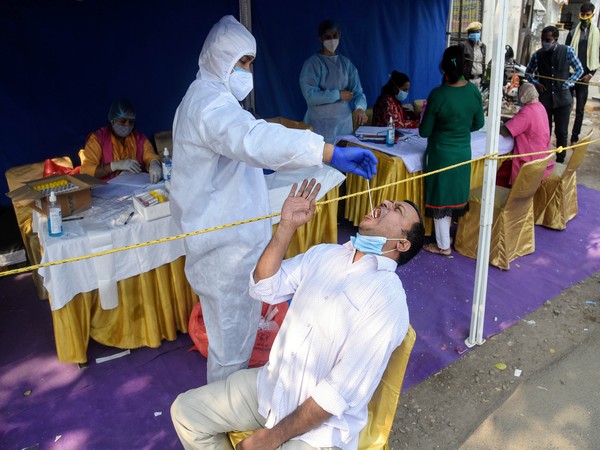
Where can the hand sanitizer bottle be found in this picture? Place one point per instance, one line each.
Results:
(54, 217)
(390, 136)
(166, 167)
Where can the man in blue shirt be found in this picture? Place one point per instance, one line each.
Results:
(549, 71)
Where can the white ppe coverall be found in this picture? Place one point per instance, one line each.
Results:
(219, 150)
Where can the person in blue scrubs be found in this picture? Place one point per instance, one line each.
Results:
(331, 86)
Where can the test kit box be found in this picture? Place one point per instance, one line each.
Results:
(152, 205)
(73, 192)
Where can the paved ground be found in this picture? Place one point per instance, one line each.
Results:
(553, 404)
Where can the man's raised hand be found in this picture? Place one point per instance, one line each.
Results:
(299, 206)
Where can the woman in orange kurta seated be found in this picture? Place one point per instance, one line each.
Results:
(389, 103)
(118, 146)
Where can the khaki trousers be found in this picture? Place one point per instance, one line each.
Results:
(203, 416)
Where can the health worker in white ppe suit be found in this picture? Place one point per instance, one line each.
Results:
(219, 150)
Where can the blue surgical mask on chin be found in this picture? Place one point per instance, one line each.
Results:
(474, 37)
(401, 96)
(372, 245)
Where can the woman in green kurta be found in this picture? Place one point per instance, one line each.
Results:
(453, 110)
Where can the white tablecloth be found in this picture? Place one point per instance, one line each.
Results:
(101, 228)
(411, 147)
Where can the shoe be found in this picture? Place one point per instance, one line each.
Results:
(574, 140)
(560, 160)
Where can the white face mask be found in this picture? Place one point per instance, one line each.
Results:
(240, 83)
(331, 44)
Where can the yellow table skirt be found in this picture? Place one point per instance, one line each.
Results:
(391, 169)
(155, 305)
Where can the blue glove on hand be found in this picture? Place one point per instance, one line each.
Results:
(355, 160)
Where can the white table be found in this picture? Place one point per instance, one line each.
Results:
(411, 147)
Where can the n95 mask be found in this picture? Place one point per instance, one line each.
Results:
(331, 44)
(240, 83)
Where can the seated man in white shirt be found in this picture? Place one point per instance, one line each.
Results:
(347, 316)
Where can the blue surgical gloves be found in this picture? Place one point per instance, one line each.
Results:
(355, 160)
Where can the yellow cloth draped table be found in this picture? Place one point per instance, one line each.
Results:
(513, 233)
(391, 169)
(155, 305)
(555, 201)
(15, 178)
(383, 404)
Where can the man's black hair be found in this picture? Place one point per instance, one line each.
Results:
(416, 236)
(551, 28)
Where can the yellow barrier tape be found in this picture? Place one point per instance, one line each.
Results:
(535, 75)
(269, 216)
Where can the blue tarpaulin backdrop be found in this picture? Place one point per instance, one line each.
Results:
(65, 61)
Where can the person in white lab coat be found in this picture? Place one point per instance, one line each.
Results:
(219, 150)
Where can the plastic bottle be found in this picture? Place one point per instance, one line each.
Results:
(54, 216)
(166, 167)
(390, 136)
(166, 164)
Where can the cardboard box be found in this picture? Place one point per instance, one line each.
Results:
(290, 123)
(75, 198)
(155, 211)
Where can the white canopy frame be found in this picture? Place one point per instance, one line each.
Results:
(489, 177)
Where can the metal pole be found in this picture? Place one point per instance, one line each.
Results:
(246, 20)
(449, 24)
(489, 178)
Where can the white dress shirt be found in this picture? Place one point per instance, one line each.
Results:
(344, 322)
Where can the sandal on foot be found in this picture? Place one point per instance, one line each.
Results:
(433, 248)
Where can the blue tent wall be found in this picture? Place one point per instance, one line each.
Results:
(378, 37)
(64, 61)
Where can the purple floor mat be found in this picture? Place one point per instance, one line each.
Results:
(113, 405)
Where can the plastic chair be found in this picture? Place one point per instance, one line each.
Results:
(555, 202)
(289, 123)
(164, 139)
(17, 177)
(513, 226)
(383, 404)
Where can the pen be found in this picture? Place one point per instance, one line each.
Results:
(130, 216)
(72, 218)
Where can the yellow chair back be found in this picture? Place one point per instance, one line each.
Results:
(555, 202)
(164, 139)
(383, 404)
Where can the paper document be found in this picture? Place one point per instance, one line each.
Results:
(126, 184)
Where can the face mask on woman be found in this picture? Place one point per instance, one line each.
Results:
(331, 44)
(240, 83)
(401, 96)
(122, 130)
